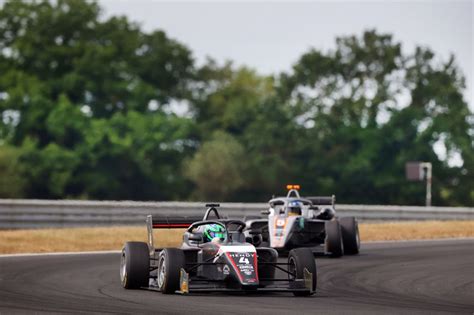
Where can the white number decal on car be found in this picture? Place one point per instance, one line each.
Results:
(244, 260)
(280, 222)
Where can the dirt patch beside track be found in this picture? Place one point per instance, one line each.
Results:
(112, 238)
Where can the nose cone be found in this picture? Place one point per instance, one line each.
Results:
(280, 230)
(244, 268)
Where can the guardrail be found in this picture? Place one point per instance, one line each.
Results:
(16, 214)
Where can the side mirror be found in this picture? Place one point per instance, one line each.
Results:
(195, 237)
(265, 211)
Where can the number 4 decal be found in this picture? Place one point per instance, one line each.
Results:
(244, 260)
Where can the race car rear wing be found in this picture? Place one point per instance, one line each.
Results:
(167, 222)
(323, 200)
(176, 222)
(172, 222)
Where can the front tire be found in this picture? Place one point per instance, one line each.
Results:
(333, 240)
(135, 265)
(266, 271)
(170, 262)
(350, 235)
(298, 260)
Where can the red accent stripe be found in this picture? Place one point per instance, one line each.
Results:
(235, 266)
(170, 225)
(255, 266)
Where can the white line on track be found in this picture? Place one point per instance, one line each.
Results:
(422, 240)
(118, 251)
(61, 253)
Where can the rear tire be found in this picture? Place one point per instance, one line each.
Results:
(350, 235)
(135, 265)
(333, 239)
(298, 260)
(170, 262)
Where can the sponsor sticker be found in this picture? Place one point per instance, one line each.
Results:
(226, 270)
(244, 262)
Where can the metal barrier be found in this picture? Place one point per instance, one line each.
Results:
(18, 214)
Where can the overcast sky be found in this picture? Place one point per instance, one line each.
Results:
(270, 36)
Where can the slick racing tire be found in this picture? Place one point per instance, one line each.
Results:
(333, 241)
(298, 260)
(170, 262)
(135, 265)
(350, 235)
(266, 271)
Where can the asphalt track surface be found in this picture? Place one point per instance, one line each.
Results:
(407, 277)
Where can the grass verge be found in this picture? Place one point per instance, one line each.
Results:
(112, 238)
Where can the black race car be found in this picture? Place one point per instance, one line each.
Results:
(227, 263)
(295, 222)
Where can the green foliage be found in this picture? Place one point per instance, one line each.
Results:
(86, 111)
(76, 93)
(47, 171)
(12, 184)
(231, 106)
(217, 167)
(351, 102)
(105, 65)
(65, 123)
(134, 156)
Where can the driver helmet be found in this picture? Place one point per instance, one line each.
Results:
(214, 232)
(295, 208)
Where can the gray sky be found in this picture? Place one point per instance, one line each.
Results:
(270, 36)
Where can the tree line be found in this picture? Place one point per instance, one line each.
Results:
(95, 108)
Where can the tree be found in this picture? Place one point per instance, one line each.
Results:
(75, 95)
(217, 167)
(86, 111)
(134, 156)
(368, 109)
(11, 182)
(105, 65)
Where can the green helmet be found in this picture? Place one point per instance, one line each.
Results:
(214, 230)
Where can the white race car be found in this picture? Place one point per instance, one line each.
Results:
(295, 222)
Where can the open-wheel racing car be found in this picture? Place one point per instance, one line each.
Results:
(296, 222)
(214, 256)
